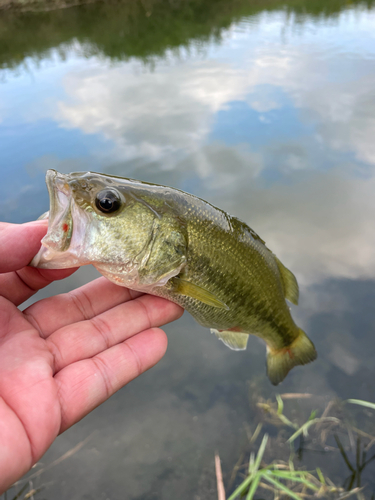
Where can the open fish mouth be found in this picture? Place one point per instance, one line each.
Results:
(57, 241)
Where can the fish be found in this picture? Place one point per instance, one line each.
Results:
(166, 242)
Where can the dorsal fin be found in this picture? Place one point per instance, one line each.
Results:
(290, 285)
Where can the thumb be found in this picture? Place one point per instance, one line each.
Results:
(19, 243)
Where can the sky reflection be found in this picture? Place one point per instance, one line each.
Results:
(275, 124)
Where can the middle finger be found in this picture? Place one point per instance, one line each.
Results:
(84, 303)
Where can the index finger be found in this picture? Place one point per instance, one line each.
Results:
(80, 304)
(18, 245)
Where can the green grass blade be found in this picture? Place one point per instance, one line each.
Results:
(256, 433)
(367, 404)
(287, 471)
(251, 463)
(320, 476)
(313, 415)
(280, 404)
(260, 453)
(253, 487)
(279, 413)
(304, 428)
(292, 476)
(280, 486)
(254, 467)
(287, 422)
(241, 488)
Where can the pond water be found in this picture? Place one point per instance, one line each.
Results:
(265, 111)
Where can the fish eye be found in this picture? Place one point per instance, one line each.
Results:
(108, 201)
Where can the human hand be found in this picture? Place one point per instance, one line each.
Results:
(65, 355)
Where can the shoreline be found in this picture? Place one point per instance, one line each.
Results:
(41, 5)
(332, 6)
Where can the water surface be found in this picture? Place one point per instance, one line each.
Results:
(268, 113)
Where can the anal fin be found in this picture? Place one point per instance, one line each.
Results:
(237, 341)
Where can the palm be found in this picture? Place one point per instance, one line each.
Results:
(65, 355)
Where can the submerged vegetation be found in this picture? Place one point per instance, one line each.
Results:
(26, 492)
(333, 434)
(291, 458)
(24, 488)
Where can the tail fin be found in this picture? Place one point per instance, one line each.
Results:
(279, 362)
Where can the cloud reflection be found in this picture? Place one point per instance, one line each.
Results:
(151, 114)
(309, 194)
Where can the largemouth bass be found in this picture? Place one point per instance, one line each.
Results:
(169, 243)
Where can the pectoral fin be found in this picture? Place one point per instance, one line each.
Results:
(234, 340)
(196, 292)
